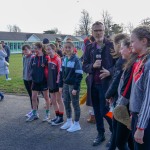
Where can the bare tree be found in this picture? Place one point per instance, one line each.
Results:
(107, 21)
(9, 27)
(145, 21)
(116, 28)
(129, 27)
(85, 23)
(16, 28)
(13, 28)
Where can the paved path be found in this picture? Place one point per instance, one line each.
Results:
(16, 134)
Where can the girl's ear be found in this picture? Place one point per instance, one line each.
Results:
(144, 40)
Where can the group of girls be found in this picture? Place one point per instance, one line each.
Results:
(130, 88)
(46, 72)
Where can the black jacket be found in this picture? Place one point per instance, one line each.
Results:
(113, 87)
(107, 62)
(39, 68)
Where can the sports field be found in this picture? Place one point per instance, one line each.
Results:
(16, 85)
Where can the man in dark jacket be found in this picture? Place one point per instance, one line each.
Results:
(98, 63)
(7, 49)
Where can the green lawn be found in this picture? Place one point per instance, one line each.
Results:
(16, 85)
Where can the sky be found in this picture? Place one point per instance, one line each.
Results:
(36, 16)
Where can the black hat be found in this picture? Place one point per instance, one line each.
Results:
(45, 41)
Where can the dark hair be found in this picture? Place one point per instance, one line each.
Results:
(71, 43)
(92, 39)
(26, 46)
(97, 23)
(69, 39)
(45, 41)
(116, 39)
(40, 45)
(52, 46)
(133, 57)
(142, 32)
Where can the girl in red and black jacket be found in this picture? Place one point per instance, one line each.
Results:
(54, 66)
(39, 73)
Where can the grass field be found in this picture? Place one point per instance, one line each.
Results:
(16, 85)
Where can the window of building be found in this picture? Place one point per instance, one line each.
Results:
(15, 46)
(11, 45)
(19, 46)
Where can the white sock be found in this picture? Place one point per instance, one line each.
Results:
(69, 119)
(76, 122)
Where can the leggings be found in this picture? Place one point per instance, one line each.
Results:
(28, 85)
(121, 137)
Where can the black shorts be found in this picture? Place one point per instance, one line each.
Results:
(54, 90)
(39, 86)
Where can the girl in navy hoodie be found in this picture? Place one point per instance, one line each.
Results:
(39, 73)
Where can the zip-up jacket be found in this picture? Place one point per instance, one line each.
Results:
(71, 72)
(27, 67)
(140, 93)
(54, 66)
(39, 68)
(124, 88)
(113, 87)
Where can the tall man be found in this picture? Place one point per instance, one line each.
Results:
(98, 63)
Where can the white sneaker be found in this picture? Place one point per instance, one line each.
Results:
(66, 125)
(8, 79)
(32, 117)
(28, 114)
(74, 127)
(46, 118)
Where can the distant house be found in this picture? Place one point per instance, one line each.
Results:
(15, 40)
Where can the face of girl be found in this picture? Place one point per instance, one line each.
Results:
(26, 51)
(37, 50)
(68, 48)
(49, 51)
(136, 44)
(125, 51)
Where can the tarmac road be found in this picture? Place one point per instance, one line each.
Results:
(17, 134)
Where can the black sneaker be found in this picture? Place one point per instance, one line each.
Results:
(58, 121)
(52, 120)
(2, 98)
(100, 138)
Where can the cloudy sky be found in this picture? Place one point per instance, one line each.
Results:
(40, 15)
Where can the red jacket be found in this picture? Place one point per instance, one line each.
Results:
(54, 66)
